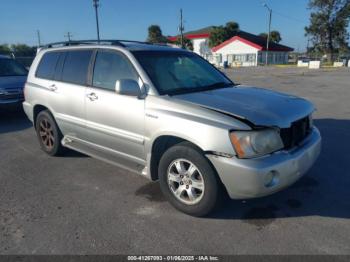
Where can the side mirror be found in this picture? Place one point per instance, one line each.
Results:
(128, 87)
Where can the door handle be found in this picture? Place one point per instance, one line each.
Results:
(52, 87)
(92, 96)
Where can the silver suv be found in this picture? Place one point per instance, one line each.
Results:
(169, 115)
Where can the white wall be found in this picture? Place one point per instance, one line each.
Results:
(200, 46)
(338, 64)
(238, 48)
(314, 64)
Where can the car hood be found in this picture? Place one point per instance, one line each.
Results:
(12, 82)
(259, 106)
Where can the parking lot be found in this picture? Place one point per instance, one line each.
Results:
(79, 205)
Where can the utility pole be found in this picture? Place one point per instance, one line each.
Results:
(38, 34)
(268, 35)
(96, 5)
(181, 29)
(69, 36)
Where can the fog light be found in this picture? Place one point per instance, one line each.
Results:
(271, 178)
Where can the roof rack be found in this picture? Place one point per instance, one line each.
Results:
(94, 42)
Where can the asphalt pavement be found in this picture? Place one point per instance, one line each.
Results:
(79, 205)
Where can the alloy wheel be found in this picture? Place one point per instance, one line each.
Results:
(46, 134)
(185, 181)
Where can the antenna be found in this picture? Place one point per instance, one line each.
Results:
(38, 34)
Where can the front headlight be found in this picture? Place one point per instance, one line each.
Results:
(249, 144)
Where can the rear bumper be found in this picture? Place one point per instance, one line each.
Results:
(28, 109)
(250, 178)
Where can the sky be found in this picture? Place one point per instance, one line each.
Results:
(129, 19)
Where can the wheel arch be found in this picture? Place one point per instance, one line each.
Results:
(36, 110)
(160, 145)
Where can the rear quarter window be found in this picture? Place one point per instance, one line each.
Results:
(47, 65)
(76, 65)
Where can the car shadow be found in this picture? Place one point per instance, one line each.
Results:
(13, 119)
(70, 153)
(323, 191)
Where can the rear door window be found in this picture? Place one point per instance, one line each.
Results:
(76, 65)
(47, 65)
(59, 66)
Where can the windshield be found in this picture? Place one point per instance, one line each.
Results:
(9, 67)
(180, 72)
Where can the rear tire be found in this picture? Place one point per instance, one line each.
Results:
(188, 180)
(48, 134)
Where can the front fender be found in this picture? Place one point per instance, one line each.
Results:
(207, 129)
(207, 138)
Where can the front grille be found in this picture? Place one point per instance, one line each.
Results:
(298, 131)
(11, 95)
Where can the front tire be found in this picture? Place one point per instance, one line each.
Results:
(188, 180)
(48, 134)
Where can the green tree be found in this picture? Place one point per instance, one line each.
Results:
(264, 35)
(18, 50)
(217, 36)
(231, 28)
(155, 35)
(187, 42)
(275, 36)
(220, 34)
(5, 49)
(23, 50)
(329, 21)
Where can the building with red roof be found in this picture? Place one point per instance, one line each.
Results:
(243, 49)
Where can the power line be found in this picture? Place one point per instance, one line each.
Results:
(289, 17)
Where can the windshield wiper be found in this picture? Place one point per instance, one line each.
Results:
(218, 85)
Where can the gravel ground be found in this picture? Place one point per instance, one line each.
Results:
(78, 205)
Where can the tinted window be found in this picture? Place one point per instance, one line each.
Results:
(9, 67)
(76, 66)
(47, 65)
(59, 66)
(180, 72)
(110, 67)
